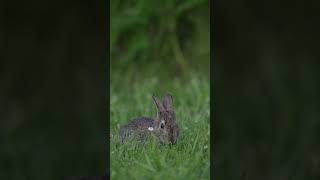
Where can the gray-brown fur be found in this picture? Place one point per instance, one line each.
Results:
(139, 126)
(164, 125)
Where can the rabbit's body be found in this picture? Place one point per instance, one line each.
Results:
(136, 126)
(163, 126)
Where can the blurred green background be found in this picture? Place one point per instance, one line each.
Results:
(160, 38)
(159, 47)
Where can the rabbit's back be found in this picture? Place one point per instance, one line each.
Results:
(138, 126)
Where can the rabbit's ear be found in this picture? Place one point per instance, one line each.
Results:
(167, 102)
(158, 103)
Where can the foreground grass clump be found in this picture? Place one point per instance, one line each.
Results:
(189, 158)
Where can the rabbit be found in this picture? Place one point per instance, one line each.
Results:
(163, 126)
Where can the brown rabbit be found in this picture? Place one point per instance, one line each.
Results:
(164, 126)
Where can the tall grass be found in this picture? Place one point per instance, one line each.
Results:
(189, 158)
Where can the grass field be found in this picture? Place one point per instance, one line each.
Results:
(189, 158)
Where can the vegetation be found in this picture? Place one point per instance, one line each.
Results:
(158, 47)
(189, 158)
(174, 32)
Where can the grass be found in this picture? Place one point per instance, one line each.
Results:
(189, 158)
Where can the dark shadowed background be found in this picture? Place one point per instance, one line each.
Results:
(266, 90)
(53, 89)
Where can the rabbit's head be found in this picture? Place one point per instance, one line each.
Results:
(165, 126)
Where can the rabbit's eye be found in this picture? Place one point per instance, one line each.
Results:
(162, 126)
